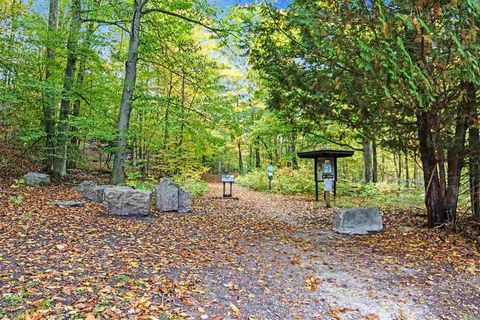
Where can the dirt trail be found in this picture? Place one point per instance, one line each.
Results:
(304, 271)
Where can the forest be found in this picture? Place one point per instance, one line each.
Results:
(126, 92)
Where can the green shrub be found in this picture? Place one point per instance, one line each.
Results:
(285, 180)
(192, 183)
(349, 194)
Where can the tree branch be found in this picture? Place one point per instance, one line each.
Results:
(173, 14)
(112, 23)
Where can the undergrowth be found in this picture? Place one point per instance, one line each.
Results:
(349, 194)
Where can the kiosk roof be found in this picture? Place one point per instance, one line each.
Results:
(325, 153)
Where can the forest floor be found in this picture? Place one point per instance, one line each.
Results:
(263, 256)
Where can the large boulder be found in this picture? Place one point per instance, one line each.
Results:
(357, 220)
(98, 193)
(166, 195)
(126, 201)
(184, 201)
(87, 189)
(35, 179)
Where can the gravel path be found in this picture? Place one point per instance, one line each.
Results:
(306, 271)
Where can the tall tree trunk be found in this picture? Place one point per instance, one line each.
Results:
(49, 101)
(441, 203)
(415, 170)
(240, 159)
(474, 166)
(434, 196)
(82, 67)
(375, 162)
(367, 161)
(167, 113)
(60, 165)
(182, 121)
(399, 178)
(257, 153)
(118, 171)
(293, 152)
(474, 149)
(407, 172)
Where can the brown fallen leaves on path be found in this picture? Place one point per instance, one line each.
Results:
(262, 257)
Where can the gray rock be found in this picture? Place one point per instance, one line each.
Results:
(35, 179)
(184, 201)
(126, 201)
(99, 192)
(166, 195)
(357, 220)
(70, 204)
(87, 189)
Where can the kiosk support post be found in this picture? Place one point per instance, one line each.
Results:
(316, 178)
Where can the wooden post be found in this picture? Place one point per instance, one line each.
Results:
(327, 199)
(335, 178)
(316, 178)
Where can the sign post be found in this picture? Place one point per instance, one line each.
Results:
(325, 164)
(230, 180)
(270, 175)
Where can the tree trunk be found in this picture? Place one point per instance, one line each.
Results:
(474, 150)
(367, 160)
(441, 203)
(399, 178)
(434, 196)
(75, 141)
(257, 153)
(474, 166)
(407, 172)
(49, 103)
(375, 162)
(293, 152)
(167, 113)
(240, 159)
(415, 170)
(60, 165)
(118, 171)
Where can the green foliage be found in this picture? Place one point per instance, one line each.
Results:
(285, 180)
(14, 300)
(18, 200)
(192, 183)
(349, 194)
(377, 195)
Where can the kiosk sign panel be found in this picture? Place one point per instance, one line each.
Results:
(325, 169)
(228, 178)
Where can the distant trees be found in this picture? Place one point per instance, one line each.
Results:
(68, 73)
(387, 70)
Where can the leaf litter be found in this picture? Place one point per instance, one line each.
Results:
(264, 256)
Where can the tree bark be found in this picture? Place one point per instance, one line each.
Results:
(407, 172)
(118, 171)
(293, 152)
(367, 161)
(375, 162)
(82, 67)
(474, 166)
(240, 159)
(49, 103)
(442, 202)
(257, 153)
(474, 150)
(60, 165)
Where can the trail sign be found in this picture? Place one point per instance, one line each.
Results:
(226, 178)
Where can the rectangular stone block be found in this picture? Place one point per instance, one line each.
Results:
(166, 195)
(357, 220)
(127, 201)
